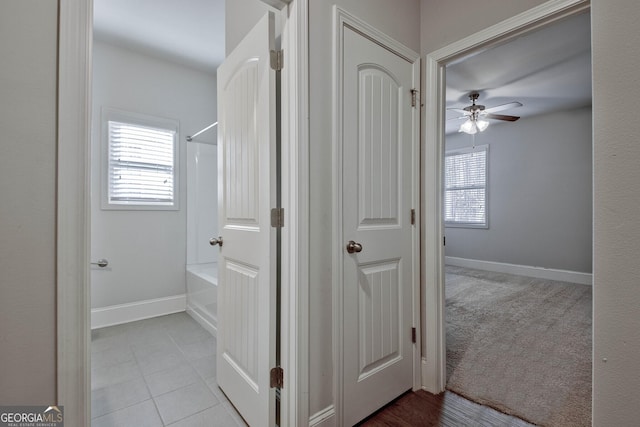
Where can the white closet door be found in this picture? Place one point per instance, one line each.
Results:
(377, 201)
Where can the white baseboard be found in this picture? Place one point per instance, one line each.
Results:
(213, 329)
(130, 312)
(523, 270)
(324, 418)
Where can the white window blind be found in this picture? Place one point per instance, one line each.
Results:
(141, 164)
(465, 194)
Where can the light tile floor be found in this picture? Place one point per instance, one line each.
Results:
(157, 372)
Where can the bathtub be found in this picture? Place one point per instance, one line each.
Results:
(202, 295)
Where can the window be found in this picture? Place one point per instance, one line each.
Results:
(465, 188)
(141, 162)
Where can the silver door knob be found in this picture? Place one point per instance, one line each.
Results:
(102, 263)
(354, 247)
(213, 241)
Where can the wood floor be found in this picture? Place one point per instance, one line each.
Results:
(420, 408)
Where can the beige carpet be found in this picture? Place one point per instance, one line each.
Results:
(520, 345)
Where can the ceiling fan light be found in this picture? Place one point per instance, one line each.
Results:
(482, 124)
(469, 127)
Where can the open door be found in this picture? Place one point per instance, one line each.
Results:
(246, 347)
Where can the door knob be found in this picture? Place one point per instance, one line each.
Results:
(102, 263)
(213, 241)
(354, 247)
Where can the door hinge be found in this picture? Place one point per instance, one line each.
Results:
(413, 335)
(277, 217)
(277, 377)
(414, 97)
(413, 217)
(444, 240)
(277, 59)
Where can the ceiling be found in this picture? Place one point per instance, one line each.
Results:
(546, 70)
(186, 31)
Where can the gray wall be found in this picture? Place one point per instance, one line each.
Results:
(616, 245)
(240, 17)
(28, 79)
(539, 189)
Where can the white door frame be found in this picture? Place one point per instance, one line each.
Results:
(342, 20)
(294, 356)
(434, 359)
(75, 28)
(74, 119)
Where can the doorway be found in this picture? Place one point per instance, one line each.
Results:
(435, 125)
(518, 224)
(151, 71)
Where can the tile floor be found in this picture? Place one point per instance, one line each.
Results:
(157, 372)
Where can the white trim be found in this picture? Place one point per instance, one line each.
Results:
(416, 232)
(324, 418)
(295, 201)
(138, 310)
(434, 374)
(72, 198)
(336, 220)
(433, 296)
(522, 270)
(195, 314)
(343, 19)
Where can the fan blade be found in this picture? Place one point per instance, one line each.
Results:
(502, 117)
(458, 110)
(458, 118)
(503, 107)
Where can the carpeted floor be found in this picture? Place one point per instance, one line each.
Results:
(520, 345)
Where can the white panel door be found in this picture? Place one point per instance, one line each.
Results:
(246, 194)
(378, 121)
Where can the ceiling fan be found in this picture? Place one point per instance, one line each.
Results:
(477, 114)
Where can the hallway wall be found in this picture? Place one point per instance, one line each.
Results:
(28, 123)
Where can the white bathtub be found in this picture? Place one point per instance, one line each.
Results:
(202, 295)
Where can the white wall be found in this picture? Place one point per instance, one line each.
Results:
(28, 79)
(146, 249)
(539, 193)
